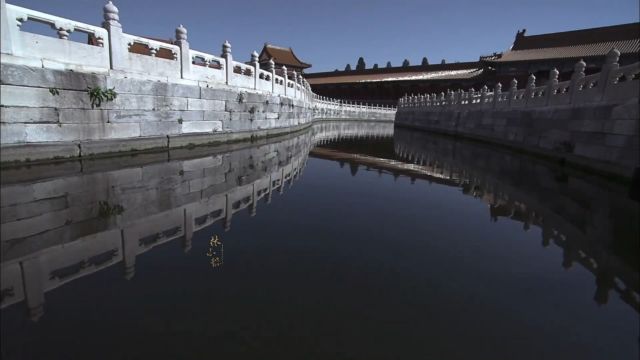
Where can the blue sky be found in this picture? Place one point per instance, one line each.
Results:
(331, 33)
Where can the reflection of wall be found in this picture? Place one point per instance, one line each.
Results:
(589, 219)
(340, 130)
(53, 230)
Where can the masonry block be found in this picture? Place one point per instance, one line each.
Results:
(204, 104)
(201, 126)
(28, 115)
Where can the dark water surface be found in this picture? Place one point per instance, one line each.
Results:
(375, 245)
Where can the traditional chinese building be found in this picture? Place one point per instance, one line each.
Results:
(534, 54)
(281, 56)
(387, 85)
(538, 54)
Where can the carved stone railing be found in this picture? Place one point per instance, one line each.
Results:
(612, 84)
(46, 51)
(109, 49)
(335, 106)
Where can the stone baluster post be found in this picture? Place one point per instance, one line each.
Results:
(450, 98)
(512, 90)
(470, 95)
(294, 78)
(185, 55)
(576, 77)
(551, 85)
(118, 47)
(228, 62)
(286, 80)
(256, 69)
(531, 85)
(483, 95)
(496, 94)
(7, 31)
(609, 67)
(272, 69)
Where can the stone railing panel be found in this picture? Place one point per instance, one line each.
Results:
(60, 53)
(623, 83)
(613, 83)
(264, 81)
(206, 67)
(242, 75)
(279, 85)
(151, 64)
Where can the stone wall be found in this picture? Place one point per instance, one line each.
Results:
(171, 96)
(591, 121)
(146, 114)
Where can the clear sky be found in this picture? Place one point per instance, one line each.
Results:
(331, 33)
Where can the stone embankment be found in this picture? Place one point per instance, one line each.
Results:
(167, 96)
(591, 121)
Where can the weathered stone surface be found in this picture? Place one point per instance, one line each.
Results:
(11, 74)
(204, 104)
(147, 102)
(201, 126)
(73, 132)
(150, 104)
(145, 87)
(216, 116)
(218, 94)
(30, 152)
(40, 97)
(601, 132)
(247, 106)
(118, 145)
(28, 115)
(13, 133)
(160, 128)
(82, 116)
(142, 116)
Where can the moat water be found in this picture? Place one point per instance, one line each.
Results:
(375, 244)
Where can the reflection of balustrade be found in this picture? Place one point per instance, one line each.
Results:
(576, 215)
(109, 48)
(613, 83)
(161, 202)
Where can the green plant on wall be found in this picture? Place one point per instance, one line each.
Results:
(106, 210)
(98, 95)
(54, 91)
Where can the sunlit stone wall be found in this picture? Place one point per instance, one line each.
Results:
(168, 96)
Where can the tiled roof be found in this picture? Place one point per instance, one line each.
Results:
(398, 76)
(604, 34)
(568, 52)
(281, 55)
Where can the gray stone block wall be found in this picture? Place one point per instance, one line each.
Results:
(602, 137)
(48, 114)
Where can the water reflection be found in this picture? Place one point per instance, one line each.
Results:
(63, 222)
(593, 221)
